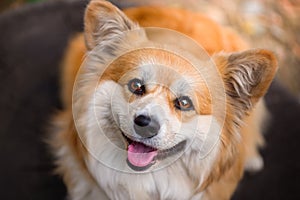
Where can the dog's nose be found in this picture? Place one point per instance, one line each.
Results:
(142, 120)
(145, 126)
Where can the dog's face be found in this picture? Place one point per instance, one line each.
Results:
(157, 105)
(153, 108)
(139, 108)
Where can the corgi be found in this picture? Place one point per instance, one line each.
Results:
(172, 112)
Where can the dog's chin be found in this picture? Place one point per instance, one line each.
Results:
(141, 157)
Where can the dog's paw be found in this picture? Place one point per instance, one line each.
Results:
(254, 164)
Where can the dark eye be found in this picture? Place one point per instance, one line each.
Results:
(184, 103)
(136, 86)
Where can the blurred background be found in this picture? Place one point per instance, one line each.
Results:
(33, 36)
(271, 24)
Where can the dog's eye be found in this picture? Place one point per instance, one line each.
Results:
(184, 103)
(136, 86)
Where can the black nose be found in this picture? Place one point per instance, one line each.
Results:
(142, 120)
(145, 126)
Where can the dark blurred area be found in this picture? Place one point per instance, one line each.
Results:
(10, 4)
(33, 36)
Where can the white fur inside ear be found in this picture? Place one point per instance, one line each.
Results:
(105, 24)
(248, 75)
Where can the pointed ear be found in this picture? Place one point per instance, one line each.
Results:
(104, 23)
(247, 75)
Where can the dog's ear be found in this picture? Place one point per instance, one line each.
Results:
(247, 75)
(104, 24)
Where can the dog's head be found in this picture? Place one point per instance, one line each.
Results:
(139, 107)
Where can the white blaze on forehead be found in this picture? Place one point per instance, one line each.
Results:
(157, 74)
(148, 71)
(179, 84)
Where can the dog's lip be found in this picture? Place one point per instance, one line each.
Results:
(130, 140)
(161, 153)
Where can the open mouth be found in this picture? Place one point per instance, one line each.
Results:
(141, 156)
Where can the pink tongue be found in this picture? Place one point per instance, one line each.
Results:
(140, 155)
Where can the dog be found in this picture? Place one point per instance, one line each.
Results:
(147, 115)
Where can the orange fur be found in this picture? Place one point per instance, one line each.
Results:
(205, 31)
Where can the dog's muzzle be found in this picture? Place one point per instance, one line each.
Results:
(146, 126)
